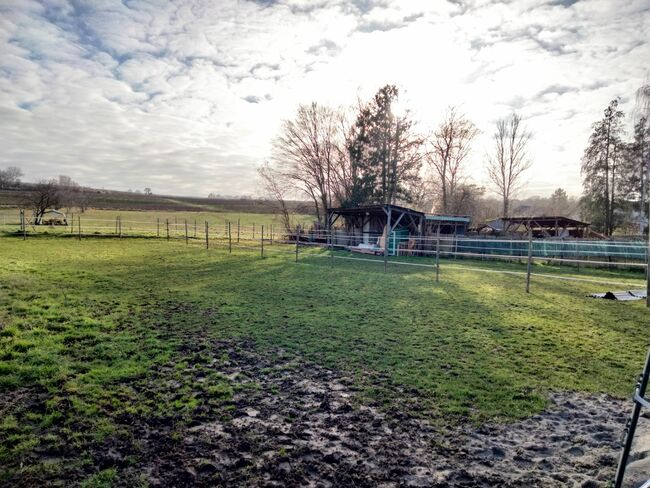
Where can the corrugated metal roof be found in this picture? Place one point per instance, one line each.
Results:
(447, 218)
(623, 296)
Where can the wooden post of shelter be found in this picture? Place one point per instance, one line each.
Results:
(530, 258)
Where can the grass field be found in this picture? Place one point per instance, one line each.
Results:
(96, 335)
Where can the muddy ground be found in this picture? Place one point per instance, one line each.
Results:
(293, 423)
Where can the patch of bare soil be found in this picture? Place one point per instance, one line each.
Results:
(298, 424)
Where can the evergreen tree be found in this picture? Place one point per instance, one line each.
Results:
(385, 155)
(601, 169)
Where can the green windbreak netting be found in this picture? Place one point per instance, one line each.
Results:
(542, 248)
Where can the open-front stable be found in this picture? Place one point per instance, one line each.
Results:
(366, 228)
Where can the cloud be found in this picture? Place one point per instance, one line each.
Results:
(185, 96)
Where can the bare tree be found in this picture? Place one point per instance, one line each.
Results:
(10, 177)
(450, 147)
(44, 196)
(510, 159)
(306, 154)
(276, 189)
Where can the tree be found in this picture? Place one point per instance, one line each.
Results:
(44, 195)
(277, 191)
(559, 204)
(601, 167)
(510, 159)
(450, 147)
(10, 177)
(147, 191)
(385, 155)
(306, 154)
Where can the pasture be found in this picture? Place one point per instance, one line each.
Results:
(141, 362)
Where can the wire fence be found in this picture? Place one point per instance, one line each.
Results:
(425, 252)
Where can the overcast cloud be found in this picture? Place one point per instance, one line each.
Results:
(185, 96)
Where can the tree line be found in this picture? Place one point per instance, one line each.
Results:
(372, 155)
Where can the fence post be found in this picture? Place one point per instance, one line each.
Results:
(22, 223)
(207, 242)
(195, 228)
(79, 226)
(530, 259)
(119, 219)
(72, 224)
(386, 238)
(157, 226)
(229, 239)
(167, 227)
(186, 242)
(253, 231)
(438, 255)
(271, 234)
(331, 239)
(262, 240)
(297, 240)
(116, 219)
(237, 231)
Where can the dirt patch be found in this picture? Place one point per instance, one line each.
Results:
(293, 423)
(297, 424)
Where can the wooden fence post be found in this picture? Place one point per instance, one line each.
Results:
(72, 224)
(23, 227)
(157, 226)
(186, 241)
(530, 259)
(297, 240)
(237, 231)
(262, 240)
(120, 225)
(271, 234)
(116, 219)
(79, 226)
(167, 227)
(229, 239)
(207, 241)
(195, 228)
(253, 231)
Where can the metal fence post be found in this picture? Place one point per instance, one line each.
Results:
(530, 259)
(438, 254)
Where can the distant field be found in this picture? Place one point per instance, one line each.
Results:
(103, 342)
(117, 200)
(150, 222)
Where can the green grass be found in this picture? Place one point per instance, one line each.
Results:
(90, 328)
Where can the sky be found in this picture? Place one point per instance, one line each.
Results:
(186, 96)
